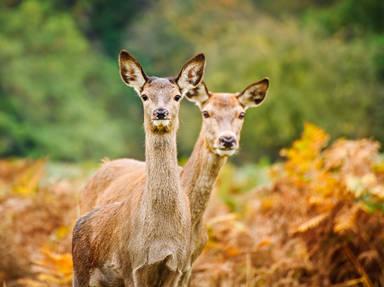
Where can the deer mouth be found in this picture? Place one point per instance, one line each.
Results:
(161, 126)
(163, 123)
(225, 151)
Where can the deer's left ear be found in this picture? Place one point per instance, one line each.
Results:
(131, 71)
(191, 74)
(198, 95)
(254, 94)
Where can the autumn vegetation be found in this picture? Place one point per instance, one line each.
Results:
(314, 219)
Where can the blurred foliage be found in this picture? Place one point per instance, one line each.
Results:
(313, 77)
(57, 95)
(60, 93)
(315, 219)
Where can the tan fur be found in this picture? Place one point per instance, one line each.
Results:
(198, 175)
(143, 239)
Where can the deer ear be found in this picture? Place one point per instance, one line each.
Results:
(131, 71)
(254, 94)
(191, 74)
(198, 95)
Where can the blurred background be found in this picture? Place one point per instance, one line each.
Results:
(301, 204)
(61, 95)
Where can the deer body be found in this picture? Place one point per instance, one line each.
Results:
(144, 239)
(198, 177)
(154, 221)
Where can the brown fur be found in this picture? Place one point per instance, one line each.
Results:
(144, 239)
(199, 174)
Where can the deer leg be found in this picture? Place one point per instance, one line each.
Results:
(81, 254)
(185, 278)
(81, 272)
(199, 243)
(140, 276)
(169, 278)
(80, 280)
(149, 276)
(156, 275)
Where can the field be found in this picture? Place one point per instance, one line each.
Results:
(316, 218)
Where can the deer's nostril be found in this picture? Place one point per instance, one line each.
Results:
(227, 141)
(160, 113)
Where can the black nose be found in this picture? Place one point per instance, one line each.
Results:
(160, 113)
(227, 141)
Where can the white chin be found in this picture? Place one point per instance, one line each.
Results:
(161, 123)
(223, 152)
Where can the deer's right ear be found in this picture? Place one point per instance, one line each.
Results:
(131, 71)
(254, 94)
(198, 95)
(191, 74)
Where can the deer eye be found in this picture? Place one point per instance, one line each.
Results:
(177, 98)
(144, 97)
(206, 114)
(241, 115)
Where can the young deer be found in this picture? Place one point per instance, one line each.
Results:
(223, 115)
(144, 239)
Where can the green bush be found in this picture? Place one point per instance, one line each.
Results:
(54, 87)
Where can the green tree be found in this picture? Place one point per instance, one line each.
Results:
(54, 88)
(314, 77)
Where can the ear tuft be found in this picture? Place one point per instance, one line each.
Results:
(131, 71)
(192, 73)
(254, 94)
(198, 95)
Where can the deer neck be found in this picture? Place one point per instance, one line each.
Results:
(162, 221)
(199, 176)
(162, 188)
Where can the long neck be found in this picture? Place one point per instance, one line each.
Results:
(199, 176)
(162, 188)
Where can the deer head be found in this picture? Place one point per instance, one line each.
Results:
(161, 97)
(223, 114)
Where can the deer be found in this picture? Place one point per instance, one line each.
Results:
(222, 120)
(145, 238)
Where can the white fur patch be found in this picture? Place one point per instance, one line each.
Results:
(223, 152)
(161, 123)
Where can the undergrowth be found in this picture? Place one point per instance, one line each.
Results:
(316, 220)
